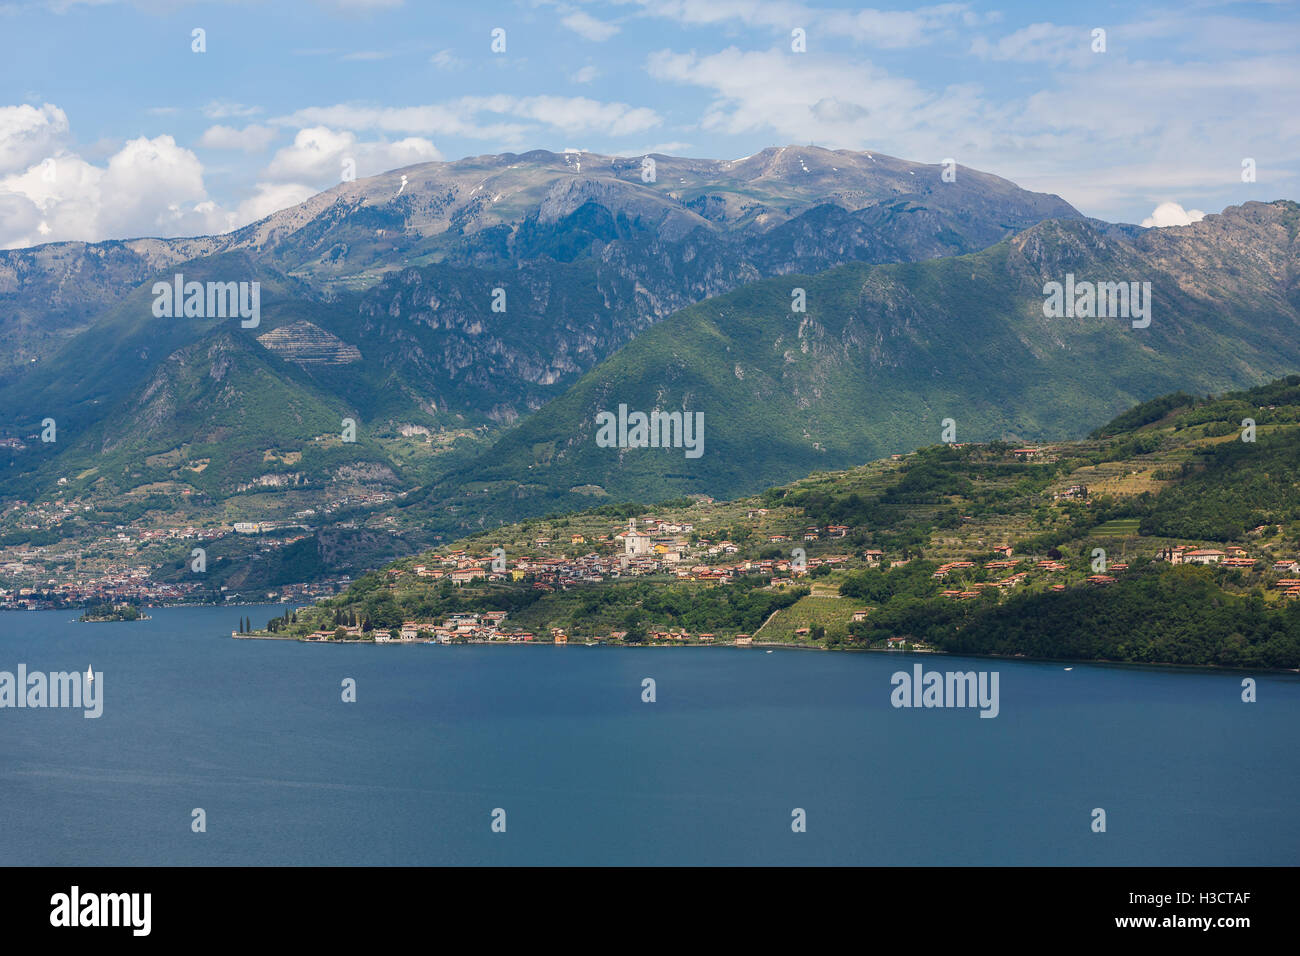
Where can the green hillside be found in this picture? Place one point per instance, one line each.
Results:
(1047, 551)
(884, 354)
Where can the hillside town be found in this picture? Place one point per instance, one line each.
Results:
(124, 568)
(657, 548)
(668, 550)
(65, 554)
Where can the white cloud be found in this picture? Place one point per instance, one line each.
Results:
(150, 187)
(831, 100)
(574, 113)
(464, 117)
(1172, 214)
(269, 198)
(584, 75)
(752, 13)
(364, 55)
(153, 187)
(892, 29)
(251, 139)
(446, 60)
(454, 119)
(147, 186)
(317, 155)
(29, 133)
(1124, 136)
(21, 221)
(888, 29)
(1038, 43)
(1112, 139)
(663, 149)
(585, 25)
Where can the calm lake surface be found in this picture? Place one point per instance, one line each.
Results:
(256, 734)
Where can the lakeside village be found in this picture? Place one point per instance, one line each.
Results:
(659, 551)
(28, 584)
(57, 563)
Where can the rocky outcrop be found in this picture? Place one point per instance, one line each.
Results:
(308, 344)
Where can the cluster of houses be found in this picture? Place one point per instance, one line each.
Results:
(124, 586)
(643, 553)
(103, 575)
(456, 629)
(1072, 493)
(549, 574)
(1230, 557)
(682, 636)
(812, 533)
(1048, 566)
(481, 628)
(310, 590)
(1236, 557)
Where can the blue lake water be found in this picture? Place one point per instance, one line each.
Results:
(256, 734)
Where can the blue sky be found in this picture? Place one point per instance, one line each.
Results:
(111, 126)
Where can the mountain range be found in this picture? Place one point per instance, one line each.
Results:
(380, 295)
(884, 354)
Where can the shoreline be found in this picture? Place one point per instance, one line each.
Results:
(773, 645)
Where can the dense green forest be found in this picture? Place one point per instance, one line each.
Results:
(642, 606)
(1155, 614)
(1239, 486)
